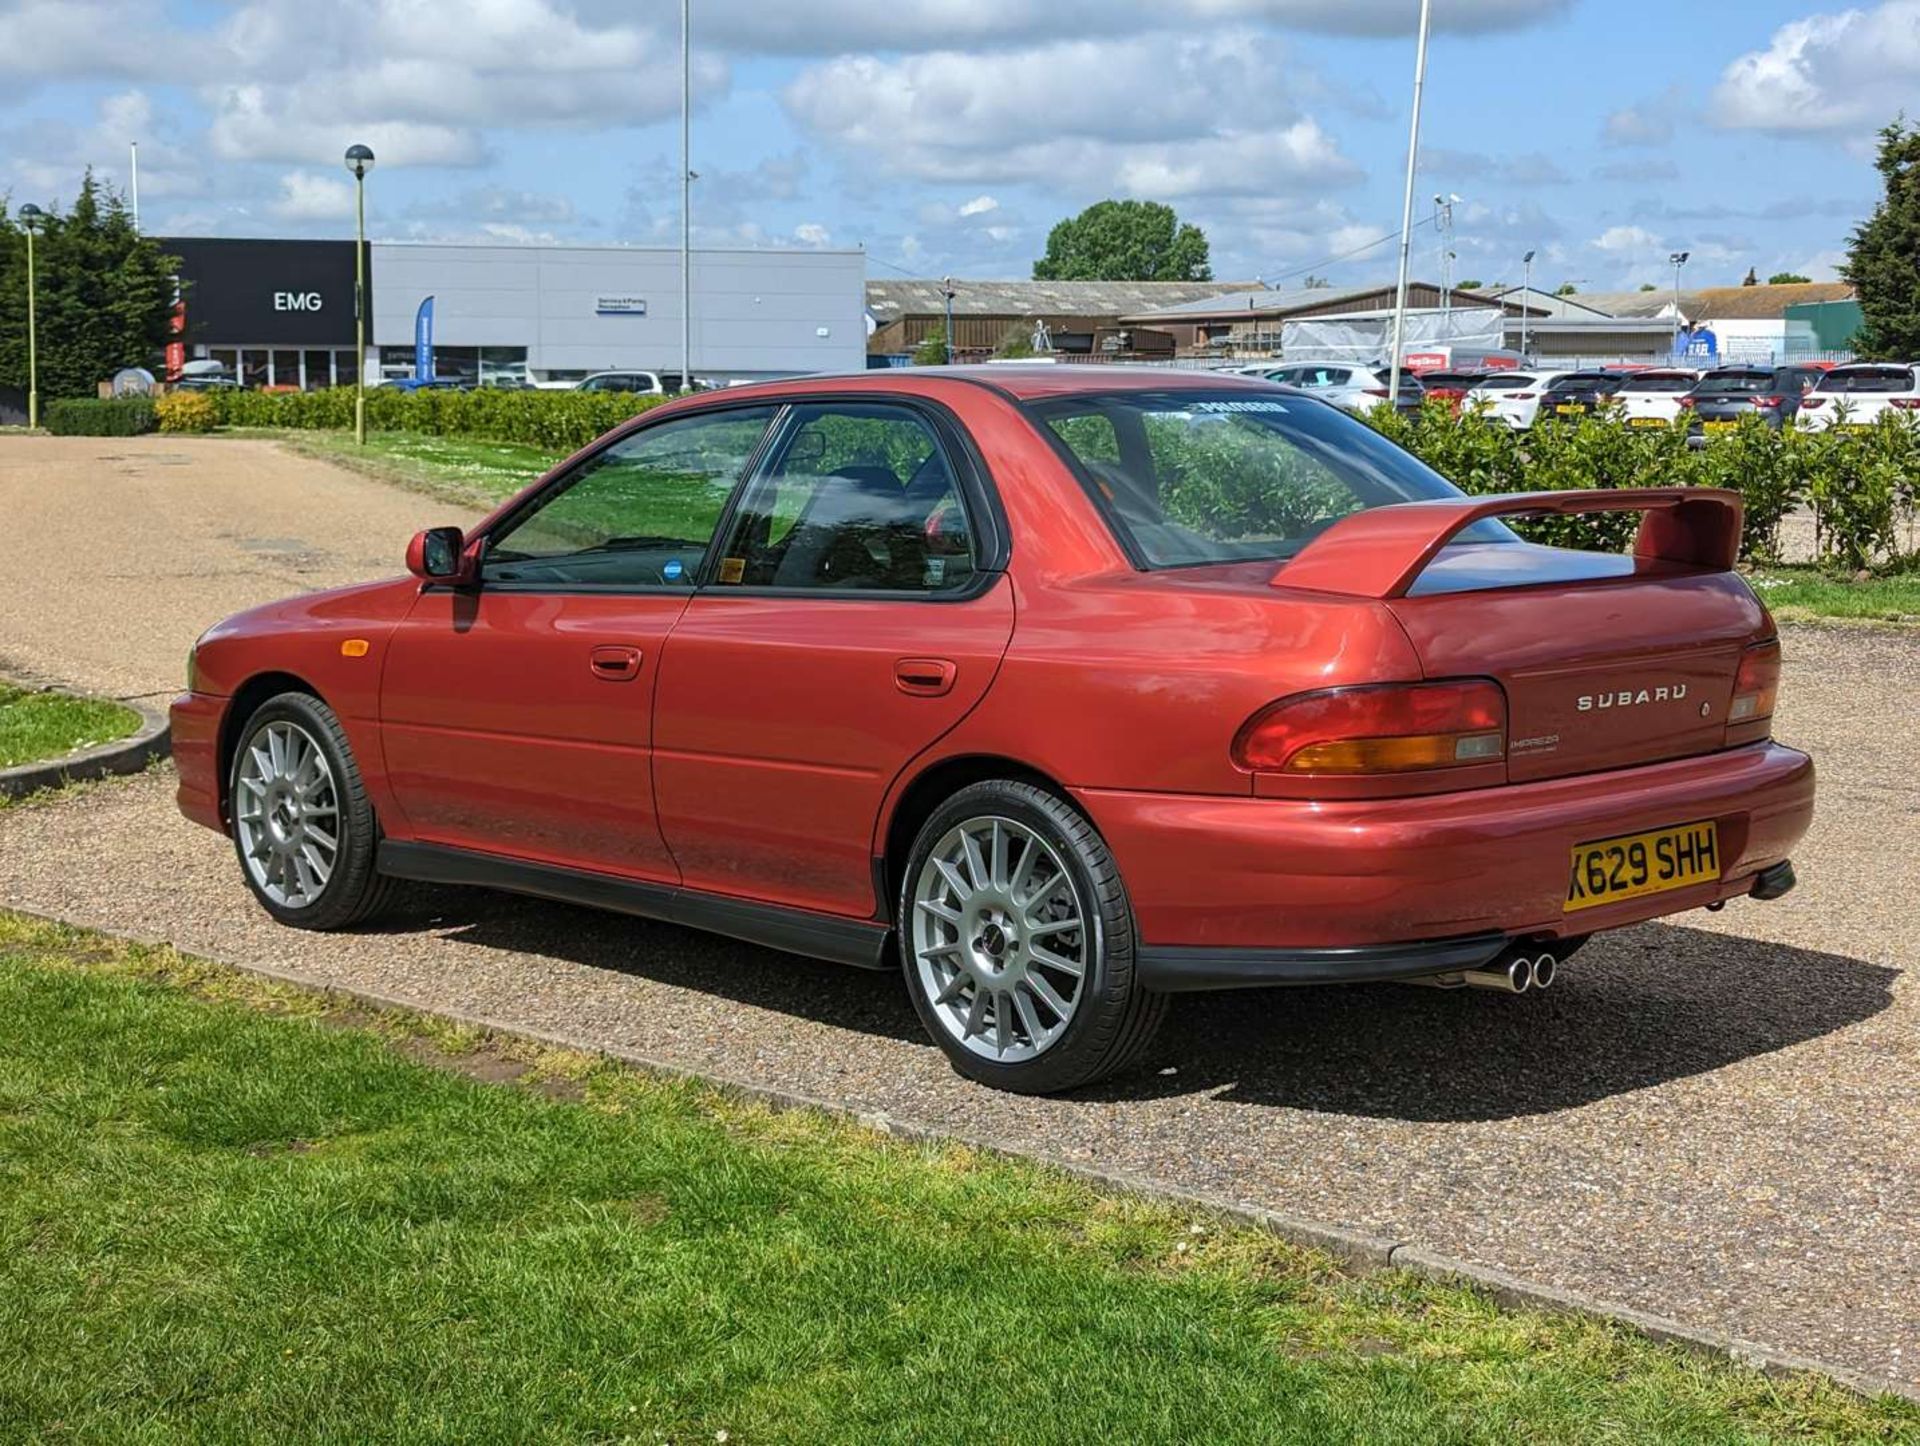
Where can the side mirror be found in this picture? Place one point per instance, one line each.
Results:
(437, 555)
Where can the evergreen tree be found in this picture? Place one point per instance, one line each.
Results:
(103, 295)
(1883, 261)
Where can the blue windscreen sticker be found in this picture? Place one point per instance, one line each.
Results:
(673, 569)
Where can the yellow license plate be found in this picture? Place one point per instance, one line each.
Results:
(1720, 426)
(1647, 422)
(1636, 864)
(1566, 409)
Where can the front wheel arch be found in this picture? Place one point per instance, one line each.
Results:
(245, 702)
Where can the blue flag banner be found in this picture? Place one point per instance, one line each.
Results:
(423, 341)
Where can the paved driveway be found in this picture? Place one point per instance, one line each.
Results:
(1716, 1119)
(120, 551)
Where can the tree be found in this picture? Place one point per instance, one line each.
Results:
(932, 351)
(1473, 285)
(1124, 241)
(1788, 278)
(1566, 288)
(1016, 343)
(1883, 258)
(103, 295)
(1648, 286)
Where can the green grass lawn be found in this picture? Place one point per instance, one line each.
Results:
(458, 469)
(1802, 593)
(36, 726)
(233, 1212)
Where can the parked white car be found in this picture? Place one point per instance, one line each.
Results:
(1855, 395)
(1652, 398)
(1513, 397)
(1355, 389)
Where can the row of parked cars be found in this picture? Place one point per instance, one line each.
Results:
(1816, 395)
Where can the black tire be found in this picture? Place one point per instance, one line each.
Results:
(353, 891)
(1113, 1018)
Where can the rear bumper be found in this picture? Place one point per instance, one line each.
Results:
(196, 721)
(1301, 881)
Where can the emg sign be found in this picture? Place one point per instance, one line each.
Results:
(296, 301)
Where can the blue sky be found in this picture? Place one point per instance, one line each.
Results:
(946, 136)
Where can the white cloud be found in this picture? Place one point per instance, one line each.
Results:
(307, 197)
(1843, 72)
(1637, 126)
(812, 233)
(979, 206)
(1153, 126)
(1625, 239)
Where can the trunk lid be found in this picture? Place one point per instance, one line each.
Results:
(1607, 661)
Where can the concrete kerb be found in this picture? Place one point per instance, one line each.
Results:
(151, 740)
(1355, 1248)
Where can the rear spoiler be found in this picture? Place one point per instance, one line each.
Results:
(1380, 552)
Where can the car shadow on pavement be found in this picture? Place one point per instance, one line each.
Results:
(859, 999)
(1631, 1010)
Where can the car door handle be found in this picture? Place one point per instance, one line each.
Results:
(614, 664)
(924, 677)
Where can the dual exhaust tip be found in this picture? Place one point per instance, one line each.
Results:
(1513, 973)
(1516, 974)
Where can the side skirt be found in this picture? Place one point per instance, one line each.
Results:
(859, 942)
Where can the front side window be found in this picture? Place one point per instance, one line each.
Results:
(853, 495)
(1197, 477)
(640, 513)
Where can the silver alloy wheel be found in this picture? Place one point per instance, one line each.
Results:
(1002, 940)
(286, 812)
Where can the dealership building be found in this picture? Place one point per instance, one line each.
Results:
(280, 313)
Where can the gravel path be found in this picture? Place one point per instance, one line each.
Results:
(122, 550)
(1715, 1120)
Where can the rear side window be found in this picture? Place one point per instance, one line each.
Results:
(853, 496)
(1196, 477)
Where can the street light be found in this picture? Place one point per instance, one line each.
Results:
(1676, 261)
(359, 161)
(30, 218)
(946, 291)
(1526, 293)
(1406, 203)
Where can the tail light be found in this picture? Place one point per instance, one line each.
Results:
(1906, 404)
(1375, 391)
(1768, 401)
(1813, 401)
(1756, 684)
(1686, 404)
(1392, 728)
(1525, 396)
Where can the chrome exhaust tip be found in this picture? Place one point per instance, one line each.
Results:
(1513, 977)
(1542, 971)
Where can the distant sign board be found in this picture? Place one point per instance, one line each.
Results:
(620, 306)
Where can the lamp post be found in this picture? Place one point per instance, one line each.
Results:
(1677, 260)
(686, 195)
(359, 161)
(1526, 292)
(1406, 205)
(946, 291)
(30, 218)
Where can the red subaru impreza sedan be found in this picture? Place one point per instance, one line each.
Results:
(1069, 688)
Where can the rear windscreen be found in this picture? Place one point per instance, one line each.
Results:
(1585, 384)
(1866, 380)
(1737, 382)
(1659, 384)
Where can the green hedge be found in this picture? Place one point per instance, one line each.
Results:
(1863, 487)
(557, 421)
(91, 417)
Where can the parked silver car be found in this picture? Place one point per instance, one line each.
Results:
(1351, 388)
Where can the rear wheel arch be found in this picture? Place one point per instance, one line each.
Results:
(246, 701)
(930, 788)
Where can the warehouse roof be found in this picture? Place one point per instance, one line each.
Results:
(888, 300)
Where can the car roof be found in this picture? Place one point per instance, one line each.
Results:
(1030, 382)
